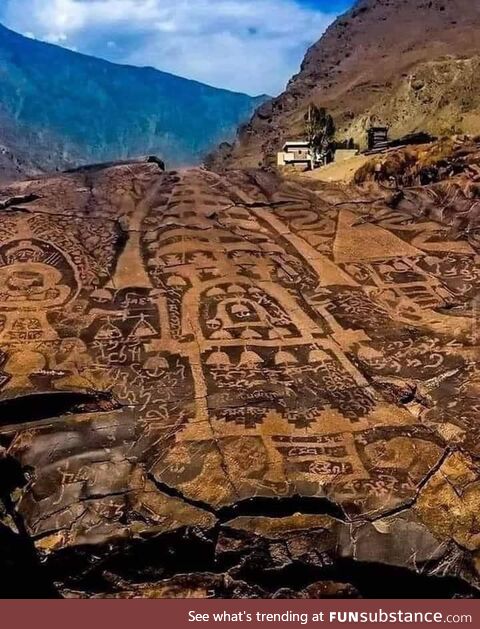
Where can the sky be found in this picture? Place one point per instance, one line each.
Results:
(251, 46)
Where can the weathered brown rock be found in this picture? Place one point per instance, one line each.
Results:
(234, 386)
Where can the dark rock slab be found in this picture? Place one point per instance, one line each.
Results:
(234, 386)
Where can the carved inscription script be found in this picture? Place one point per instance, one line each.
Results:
(257, 340)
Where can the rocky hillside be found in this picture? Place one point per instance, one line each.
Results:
(11, 167)
(409, 64)
(25, 153)
(66, 107)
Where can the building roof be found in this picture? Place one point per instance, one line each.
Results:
(302, 143)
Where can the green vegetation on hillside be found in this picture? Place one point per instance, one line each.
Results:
(77, 105)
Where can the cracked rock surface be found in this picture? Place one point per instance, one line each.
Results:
(234, 386)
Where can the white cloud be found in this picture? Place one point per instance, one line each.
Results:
(247, 45)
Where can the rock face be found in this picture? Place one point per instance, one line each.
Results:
(233, 386)
(47, 115)
(409, 64)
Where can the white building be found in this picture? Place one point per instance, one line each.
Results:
(294, 152)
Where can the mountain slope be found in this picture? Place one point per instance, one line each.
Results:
(24, 152)
(72, 106)
(410, 64)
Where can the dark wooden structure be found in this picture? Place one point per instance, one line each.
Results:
(377, 138)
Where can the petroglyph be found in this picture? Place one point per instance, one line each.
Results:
(257, 341)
